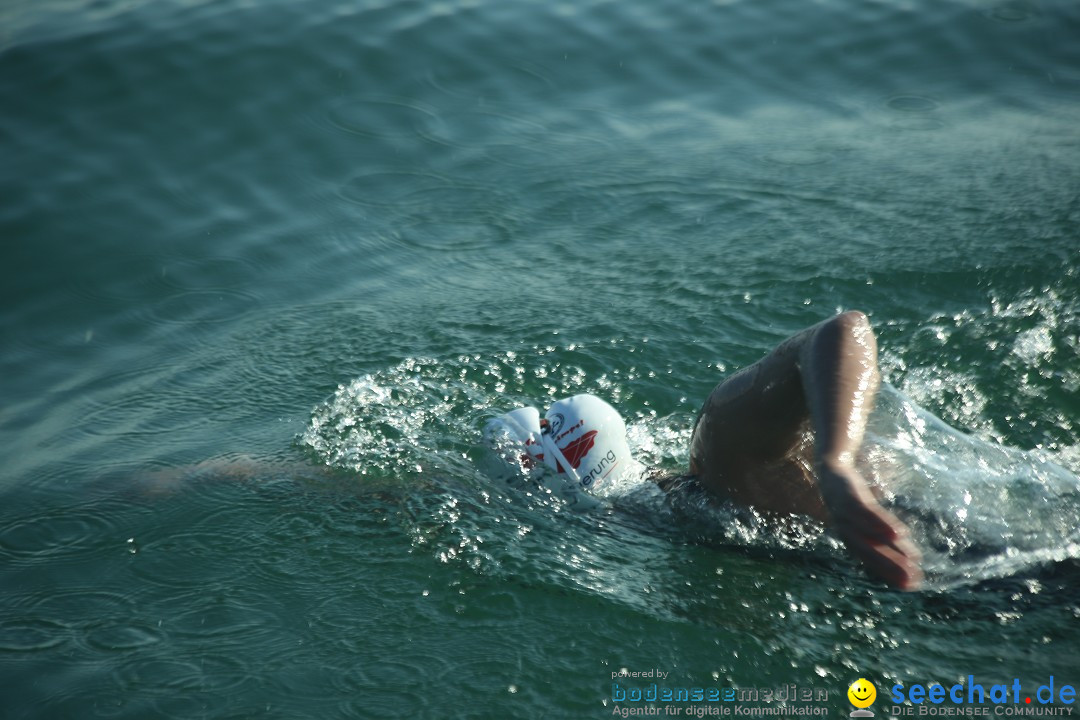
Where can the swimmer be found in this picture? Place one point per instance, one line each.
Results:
(749, 446)
(780, 436)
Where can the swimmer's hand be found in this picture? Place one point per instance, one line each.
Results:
(871, 533)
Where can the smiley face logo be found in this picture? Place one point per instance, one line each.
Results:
(862, 693)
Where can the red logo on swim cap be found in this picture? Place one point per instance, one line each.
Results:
(576, 451)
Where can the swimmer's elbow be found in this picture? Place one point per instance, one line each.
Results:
(851, 321)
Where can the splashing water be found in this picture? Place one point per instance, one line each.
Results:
(978, 509)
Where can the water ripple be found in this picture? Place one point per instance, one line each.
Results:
(451, 232)
(208, 274)
(909, 103)
(71, 533)
(202, 306)
(226, 620)
(391, 188)
(131, 277)
(151, 406)
(208, 672)
(78, 605)
(1013, 11)
(798, 157)
(200, 542)
(525, 79)
(122, 636)
(392, 118)
(481, 128)
(32, 635)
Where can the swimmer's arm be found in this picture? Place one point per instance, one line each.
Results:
(237, 468)
(837, 364)
(826, 374)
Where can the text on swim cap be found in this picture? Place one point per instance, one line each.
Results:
(569, 430)
(608, 462)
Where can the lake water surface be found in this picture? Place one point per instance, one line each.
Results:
(267, 268)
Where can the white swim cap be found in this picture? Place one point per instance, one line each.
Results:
(516, 437)
(585, 438)
(582, 439)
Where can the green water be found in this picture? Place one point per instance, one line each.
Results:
(317, 244)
